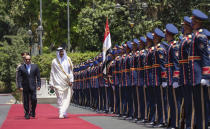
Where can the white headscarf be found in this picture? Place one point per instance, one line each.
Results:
(64, 60)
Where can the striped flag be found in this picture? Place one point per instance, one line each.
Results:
(107, 42)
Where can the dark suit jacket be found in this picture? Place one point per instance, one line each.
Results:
(29, 81)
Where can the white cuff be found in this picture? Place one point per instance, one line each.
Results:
(204, 82)
(164, 84)
(175, 85)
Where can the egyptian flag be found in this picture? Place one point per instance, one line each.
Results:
(107, 42)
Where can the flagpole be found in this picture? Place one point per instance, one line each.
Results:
(68, 16)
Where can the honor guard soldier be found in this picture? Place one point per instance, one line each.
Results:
(184, 72)
(96, 83)
(126, 82)
(90, 83)
(102, 96)
(127, 75)
(141, 94)
(207, 33)
(85, 86)
(115, 78)
(172, 74)
(109, 82)
(199, 68)
(110, 89)
(159, 75)
(118, 82)
(75, 95)
(134, 76)
(149, 79)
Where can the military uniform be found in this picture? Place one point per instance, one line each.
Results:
(149, 81)
(159, 77)
(184, 74)
(126, 86)
(207, 33)
(140, 81)
(117, 79)
(199, 68)
(173, 75)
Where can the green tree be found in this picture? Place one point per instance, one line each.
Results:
(10, 56)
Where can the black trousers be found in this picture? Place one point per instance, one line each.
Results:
(110, 97)
(142, 102)
(124, 100)
(152, 103)
(159, 96)
(200, 98)
(187, 92)
(129, 96)
(29, 96)
(173, 120)
(135, 101)
(117, 103)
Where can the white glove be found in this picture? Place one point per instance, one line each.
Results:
(204, 82)
(113, 87)
(164, 84)
(175, 85)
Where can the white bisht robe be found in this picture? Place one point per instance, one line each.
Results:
(60, 76)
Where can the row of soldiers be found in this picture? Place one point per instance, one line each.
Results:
(152, 81)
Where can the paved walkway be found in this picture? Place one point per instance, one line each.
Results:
(5, 103)
(105, 122)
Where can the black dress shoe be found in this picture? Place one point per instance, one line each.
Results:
(141, 121)
(32, 114)
(122, 117)
(159, 126)
(27, 116)
(117, 115)
(105, 111)
(129, 118)
(134, 120)
(171, 128)
(150, 123)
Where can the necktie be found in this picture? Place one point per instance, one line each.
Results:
(28, 69)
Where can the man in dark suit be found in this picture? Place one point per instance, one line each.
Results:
(28, 82)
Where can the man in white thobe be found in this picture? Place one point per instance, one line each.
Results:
(61, 79)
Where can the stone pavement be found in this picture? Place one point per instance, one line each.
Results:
(5, 103)
(7, 99)
(105, 122)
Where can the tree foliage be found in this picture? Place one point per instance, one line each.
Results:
(10, 56)
(87, 24)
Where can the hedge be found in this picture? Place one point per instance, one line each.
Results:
(44, 61)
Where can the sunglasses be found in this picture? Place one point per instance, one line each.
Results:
(28, 59)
